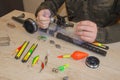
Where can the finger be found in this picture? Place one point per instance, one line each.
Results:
(43, 19)
(88, 39)
(84, 29)
(85, 33)
(86, 25)
(42, 23)
(87, 28)
(87, 22)
(80, 27)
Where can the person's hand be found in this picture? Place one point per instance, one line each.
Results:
(86, 30)
(43, 18)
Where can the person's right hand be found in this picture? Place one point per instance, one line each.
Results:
(43, 18)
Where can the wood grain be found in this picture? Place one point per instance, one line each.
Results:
(12, 69)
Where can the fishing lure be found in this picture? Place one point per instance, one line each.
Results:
(60, 68)
(100, 45)
(21, 50)
(18, 49)
(35, 60)
(76, 55)
(43, 64)
(29, 53)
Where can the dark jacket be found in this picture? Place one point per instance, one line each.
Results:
(105, 13)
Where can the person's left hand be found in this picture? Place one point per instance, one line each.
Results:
(86, 30)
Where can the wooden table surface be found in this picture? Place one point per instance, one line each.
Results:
(12, 69)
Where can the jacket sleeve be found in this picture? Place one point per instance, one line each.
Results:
(117, 7)
(52, 5)
(109, 34)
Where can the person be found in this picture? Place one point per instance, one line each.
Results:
(97, 20)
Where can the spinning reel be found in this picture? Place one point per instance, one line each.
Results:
(29, 24)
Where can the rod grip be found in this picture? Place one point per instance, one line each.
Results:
(18, 20)
(81, 44)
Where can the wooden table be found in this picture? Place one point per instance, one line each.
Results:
(12, 69)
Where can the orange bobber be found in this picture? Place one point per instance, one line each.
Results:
(77, 55)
